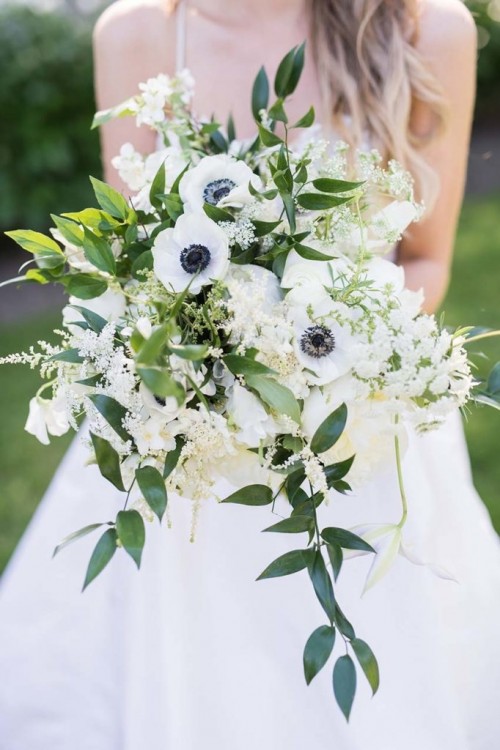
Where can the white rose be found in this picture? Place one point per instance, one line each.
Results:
(249, 415)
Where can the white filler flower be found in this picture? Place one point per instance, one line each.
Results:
(217, 180)
(195, 252)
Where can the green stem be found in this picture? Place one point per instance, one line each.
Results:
(128, 494)
(480, 336)
(402, 490)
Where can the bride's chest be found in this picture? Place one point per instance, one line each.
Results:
(224, 66)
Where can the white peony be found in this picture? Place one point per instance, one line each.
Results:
(195, 253)
(47, 417)
(218, 180)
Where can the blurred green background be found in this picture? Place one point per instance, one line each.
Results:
(46, 154)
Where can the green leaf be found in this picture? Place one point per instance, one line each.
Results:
(68, 355)
(240, 365)
(252, 494)
(309, 253)
(154, 345)
(108, 461)
(144, 262)
(76, 535)
(85, 286)
(35, 242)
(343, 624)
(98, 252)
(93, 217)
(47, 253)
(294, 482)
(161, 383)
(94, 321)
(268, 138)
(277, 112)
(277, 396)
(345, 539)
(152, 486)
(289, 205)
(158, 187)
(105, 115)
(102, 554)
(323, 585)
(327, 185)
(71, 231)
(493, 386)
(344, 684)
(219, 142)
(297, 68)
(336, 558)
(320, 201)
(172, 457)
(330, 430)
(317, 651)
(367, 662)
(307, 120)
(192, 352)
(217, 214)
(284, 73)
(113, 412)
(264, 227)
(260, 93)
(338, 471)
(293, 525)
(131, 533)
(287, 564)
(231, 130)
(110, 200)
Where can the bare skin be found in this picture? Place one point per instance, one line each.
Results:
(135, 39)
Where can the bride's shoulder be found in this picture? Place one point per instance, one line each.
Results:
(445, 26)
(132, 23)
(140, 33)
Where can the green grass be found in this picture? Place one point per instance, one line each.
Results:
(26, 466)
(474, 298)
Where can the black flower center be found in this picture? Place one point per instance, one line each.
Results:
(317, 341)
(216, 190)
(195, 258)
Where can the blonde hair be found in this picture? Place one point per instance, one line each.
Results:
(370, 70)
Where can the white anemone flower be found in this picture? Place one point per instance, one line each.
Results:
(47, 417)
(218, 180)
(321, 344)
(194, 253)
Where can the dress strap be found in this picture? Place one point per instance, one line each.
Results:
(180, 41)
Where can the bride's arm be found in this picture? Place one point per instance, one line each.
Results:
(448, 41)
(133, 41)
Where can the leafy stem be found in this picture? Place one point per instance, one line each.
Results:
(402, 490)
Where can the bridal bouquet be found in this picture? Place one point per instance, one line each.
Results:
(236, 320)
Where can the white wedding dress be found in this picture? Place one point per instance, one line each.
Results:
(191, 653)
